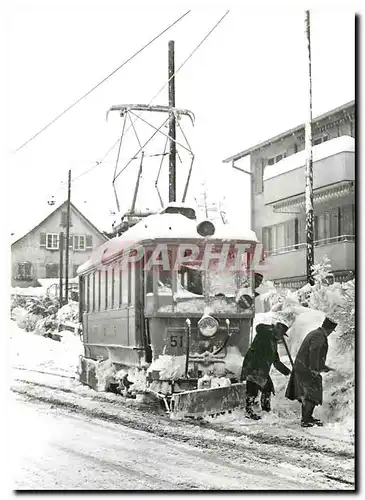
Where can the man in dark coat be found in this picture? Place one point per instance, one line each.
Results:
(305, 383)
(262, 354)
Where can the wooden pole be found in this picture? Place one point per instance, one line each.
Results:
(61, 243)
(68, 235)
(172, 122)
(309, 164)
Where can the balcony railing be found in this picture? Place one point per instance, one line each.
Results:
(300, 246)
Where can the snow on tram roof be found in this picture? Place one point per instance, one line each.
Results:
(163, 227)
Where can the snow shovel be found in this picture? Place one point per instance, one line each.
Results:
(288, 352)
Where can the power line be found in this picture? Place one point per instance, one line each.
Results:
(158, 93)
(100, 83)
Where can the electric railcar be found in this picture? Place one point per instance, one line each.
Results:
(167, 312)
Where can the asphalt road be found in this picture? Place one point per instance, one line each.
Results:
(53, 448)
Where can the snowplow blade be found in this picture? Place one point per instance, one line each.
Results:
(207, 401)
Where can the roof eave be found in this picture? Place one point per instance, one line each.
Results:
(291, 131)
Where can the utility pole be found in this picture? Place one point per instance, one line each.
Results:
(61, 243)
(309, 163)
(67, 235)
(172, 123)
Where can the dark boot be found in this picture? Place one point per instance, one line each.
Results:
(249, 411)
(307, 411)
(306, 424)
(266, 401)
(316, 421)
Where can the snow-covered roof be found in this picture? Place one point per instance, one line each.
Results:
(37, 215)
(165, 227)
(329, 148)
(289, 132)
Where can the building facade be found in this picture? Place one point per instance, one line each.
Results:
(278, 201)
(36, 254)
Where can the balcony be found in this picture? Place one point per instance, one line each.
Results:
(291, 261)
(333, 164)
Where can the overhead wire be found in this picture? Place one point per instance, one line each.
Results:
(165, 85)
(99, 162)
(101, 82)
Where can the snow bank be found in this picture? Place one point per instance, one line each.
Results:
(24, 319)
(169, 367)
(234, 360)
(29, 292)
(321, 151)
(337, 410)
(69, 312)
(37, 352)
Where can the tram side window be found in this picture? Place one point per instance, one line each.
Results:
(102, 290)
(115, 304)
(84, 293)
(132, 275)
(91, 293)
(87, 293)
(110, 285)
(106, 288)
(125, 282)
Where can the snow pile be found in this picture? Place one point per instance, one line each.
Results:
(234, 360)
(337, 409)
(104, 372)
(36, 352)
(24, 319)
(29, 291)
(308, 307)
(69, 312)
(169, 367)
(217, 305)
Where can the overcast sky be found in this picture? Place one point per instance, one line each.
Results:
(246, 83)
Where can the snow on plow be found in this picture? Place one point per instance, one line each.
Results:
(202, 402)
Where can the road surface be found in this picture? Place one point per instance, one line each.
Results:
(55, 448)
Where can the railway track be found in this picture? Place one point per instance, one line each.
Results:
(237, 445)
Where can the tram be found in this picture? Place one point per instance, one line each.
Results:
(166, 311)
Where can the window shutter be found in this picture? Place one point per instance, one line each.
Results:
(42, 239)
(89, 241)
(70, 241)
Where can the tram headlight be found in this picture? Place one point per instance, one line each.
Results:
(208, 326)
(205, 228)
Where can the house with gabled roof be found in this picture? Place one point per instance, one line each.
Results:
(35, 252)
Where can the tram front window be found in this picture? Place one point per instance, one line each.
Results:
(194, 288)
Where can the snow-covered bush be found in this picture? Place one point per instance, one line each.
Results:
(41, 314)
(69, 312)
(335, 300)
(25, 319)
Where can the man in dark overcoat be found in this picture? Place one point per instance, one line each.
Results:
(262, 354)
(305, 383)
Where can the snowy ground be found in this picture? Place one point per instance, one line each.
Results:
(274, 453)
